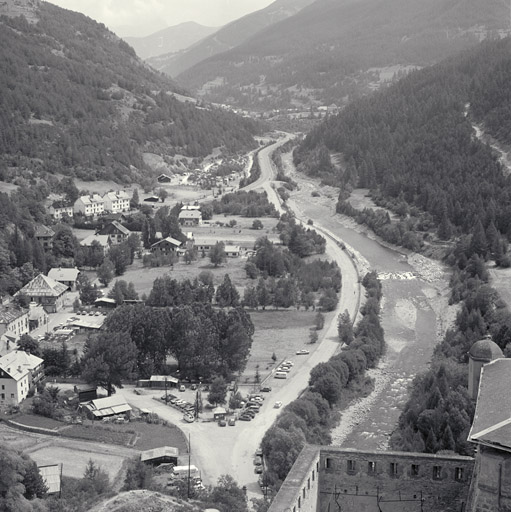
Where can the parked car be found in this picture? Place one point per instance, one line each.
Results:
(222, 423)
(265, 389)
(302, 352)
(182, 387)
(231, 422)
(278, 405)
(193, 387)
(259, 452)
(188, 418)
(245, 417)
(258, 470)
(258, 461)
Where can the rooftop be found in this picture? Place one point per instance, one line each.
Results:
(492, 419)
(102, 240)
(170, 240)
(156, 453)
(485, 350)
(43, 286)
(9, 313)
(18, 363)
(190, 214)
(43, 231)
(64, 274)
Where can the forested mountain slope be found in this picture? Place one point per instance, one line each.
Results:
(170, 39)
(325, 50)
(76, 100)
(414, 142)
(228, 37)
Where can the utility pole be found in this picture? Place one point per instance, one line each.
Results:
(189, 462)
(165, 389)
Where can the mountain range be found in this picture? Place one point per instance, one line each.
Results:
(230, 36)
(334, 49)
(75, 99)
(169, 40)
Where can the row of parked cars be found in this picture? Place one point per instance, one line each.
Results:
(251, 408)
(179, 403)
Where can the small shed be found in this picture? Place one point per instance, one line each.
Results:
(105, 302)
(86, 393)
(52, 477)
(219, 413)
(161, 455)
(164, 178)
(107, 407)
(152, 199)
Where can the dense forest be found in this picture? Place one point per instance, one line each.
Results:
(77, 100)
(414, 146)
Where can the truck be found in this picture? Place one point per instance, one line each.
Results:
(181, 472)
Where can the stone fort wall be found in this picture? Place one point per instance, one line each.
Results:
(330, 479)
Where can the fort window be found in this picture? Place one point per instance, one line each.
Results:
(303, 491)
(415, 470)
(299, 502)
(371, 468)
(294, 509)
(308, 483)
(458, 474)
(328, 463)
(351, 466)
(313, 475)
(437, 472)
(393, 469)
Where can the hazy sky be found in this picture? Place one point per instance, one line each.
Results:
(143, 17)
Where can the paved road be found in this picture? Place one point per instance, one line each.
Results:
(220, 450)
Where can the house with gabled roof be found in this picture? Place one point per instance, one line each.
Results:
(166, 246)
(45, 291)
(164, 178)
(20, 372)
(66, 276)
(103, 241)
(90, 206)
(189, 217)
(44, 236)
(13, 320)
(116, 231)
(106, 407)
(115, 202)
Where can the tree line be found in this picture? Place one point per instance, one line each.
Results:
(308, 419)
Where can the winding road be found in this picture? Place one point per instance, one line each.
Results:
(230, 450)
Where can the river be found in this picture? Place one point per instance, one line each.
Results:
(414, 315)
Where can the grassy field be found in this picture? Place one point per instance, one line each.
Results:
(279, 332)
(143, 278)
(32, 420)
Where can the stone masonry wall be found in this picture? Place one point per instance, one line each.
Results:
(351, 480)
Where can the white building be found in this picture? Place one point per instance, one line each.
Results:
(19, 373)
(57, 212)
(116, 202)
(89, 206)
(13, 321)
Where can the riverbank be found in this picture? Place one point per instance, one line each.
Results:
(415, 315)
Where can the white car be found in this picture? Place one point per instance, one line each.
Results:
(288, 363)
(302, 352)
(278, 405)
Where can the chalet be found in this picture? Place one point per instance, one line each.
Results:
(116, 231)
(232, 251)
(66, 276)
(86, 393)
(13, 321)
(107, 407)
(164, 178)
(59, 211)
(161, 455)
(152, 199)
(19, 373)
(189, 217)
(105, 302)
(116, 202)
(166, 246)
(45, 291)
(44, 235)
(90, 206)
(37, 316)
(102, 240)
(204, 244)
